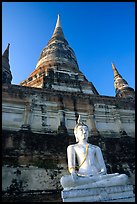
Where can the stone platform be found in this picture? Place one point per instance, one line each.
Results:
(122, 193)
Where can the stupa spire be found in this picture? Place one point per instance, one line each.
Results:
(58, 28)
(116, 73)
(121, 86)
(6, 73)
(6, 52)
(58, 23)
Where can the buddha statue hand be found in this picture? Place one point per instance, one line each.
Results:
(74, 176)
(102, 172)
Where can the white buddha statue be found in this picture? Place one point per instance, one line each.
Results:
(91, 170)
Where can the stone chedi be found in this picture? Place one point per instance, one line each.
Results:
(121, 86)
(89, 178)
(57, 67)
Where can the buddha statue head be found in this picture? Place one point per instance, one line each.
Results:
(80, 130)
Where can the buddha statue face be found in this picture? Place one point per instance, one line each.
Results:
(81, 132)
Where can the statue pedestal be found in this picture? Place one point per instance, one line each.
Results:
(102, 194)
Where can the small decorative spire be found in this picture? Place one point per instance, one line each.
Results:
(58, 27)
(6, 73)
(80, 122)
(58, 24)
(6, 52)
(8, 46)
(113, 66)
(79, 119)
(116, 73)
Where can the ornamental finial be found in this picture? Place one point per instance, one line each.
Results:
(78, 119)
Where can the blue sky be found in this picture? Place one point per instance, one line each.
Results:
(98, 32)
